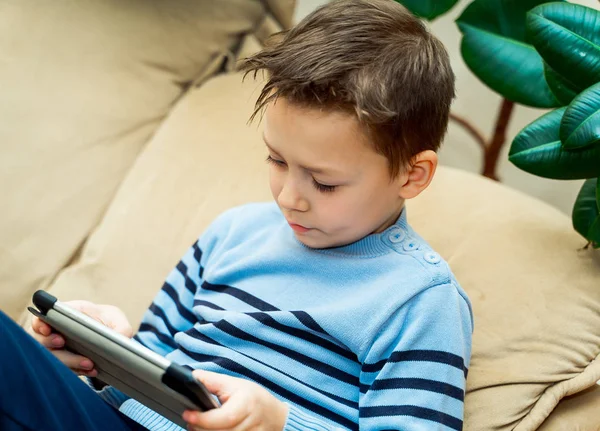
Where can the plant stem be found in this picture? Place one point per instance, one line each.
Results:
(493, 150)
(476, 134)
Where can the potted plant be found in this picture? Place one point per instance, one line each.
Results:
(545, 55)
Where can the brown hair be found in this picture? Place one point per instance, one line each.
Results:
(372, 58)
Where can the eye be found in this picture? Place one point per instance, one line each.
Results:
(322, 187)
(275, 162)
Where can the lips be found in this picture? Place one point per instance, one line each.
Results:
(298, 228)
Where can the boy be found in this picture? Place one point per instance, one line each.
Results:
(323, 310)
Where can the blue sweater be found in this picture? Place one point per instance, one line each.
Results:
(372, 335)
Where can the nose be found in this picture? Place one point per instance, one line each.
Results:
(291, 199)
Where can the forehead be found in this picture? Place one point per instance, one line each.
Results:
(319, 131)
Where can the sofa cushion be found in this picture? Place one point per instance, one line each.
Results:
(203, 160)
(85, 85)
(535, 293)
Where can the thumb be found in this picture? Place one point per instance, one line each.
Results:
(217, 384)
(108, 315)
(114, 318)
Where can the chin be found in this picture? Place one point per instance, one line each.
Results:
(320, 244)
(310, 243)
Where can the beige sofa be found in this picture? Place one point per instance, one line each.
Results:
(123, 134)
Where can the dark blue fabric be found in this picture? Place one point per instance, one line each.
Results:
(37, 392)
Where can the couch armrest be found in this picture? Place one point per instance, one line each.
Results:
(579, 412)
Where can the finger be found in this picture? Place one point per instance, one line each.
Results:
(54, 341)
(91, 373)
(220, 385)
(40, 327)
(50, 341)
(77, 363)
(196, 423)
(200, 420)
(228, 416)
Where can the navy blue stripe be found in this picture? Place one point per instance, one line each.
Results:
(184, 312)
(163, 338)
(255, 302)
(296, 356)
(309, 322)
(200, 302)
(230, 365)
(159, 312)
(206, 339)
(416, 383)
(414, 411)
(419, 356)
(189, 283)
(139, 340)
(197, 252)
(268, 320)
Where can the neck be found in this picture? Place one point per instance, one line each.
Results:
(391, 219)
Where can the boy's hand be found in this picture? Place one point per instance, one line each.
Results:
(244, 406)
(108, 315)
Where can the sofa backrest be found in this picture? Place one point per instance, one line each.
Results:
(85, 85)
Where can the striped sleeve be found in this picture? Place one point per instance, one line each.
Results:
(169, 313)
(297, 420)
(171, 310)
(414, 376)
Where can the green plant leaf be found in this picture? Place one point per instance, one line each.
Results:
(580, 126)
(428, 9)
(567, 36)
(494, 47)
(586, 216)
(537, 149)
(598, 195)
(594, 234)
(562, 89)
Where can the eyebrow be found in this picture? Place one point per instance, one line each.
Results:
(306, 168)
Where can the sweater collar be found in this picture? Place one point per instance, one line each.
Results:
(375, 244)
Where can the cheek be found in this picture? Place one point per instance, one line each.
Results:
(274, 182)
(351, 209)
(340, 210)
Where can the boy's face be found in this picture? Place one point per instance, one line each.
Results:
(331, 186)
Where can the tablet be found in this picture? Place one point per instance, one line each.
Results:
(163, 386)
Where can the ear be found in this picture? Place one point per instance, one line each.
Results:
(419, 175)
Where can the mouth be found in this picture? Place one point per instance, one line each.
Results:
(298, 228)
